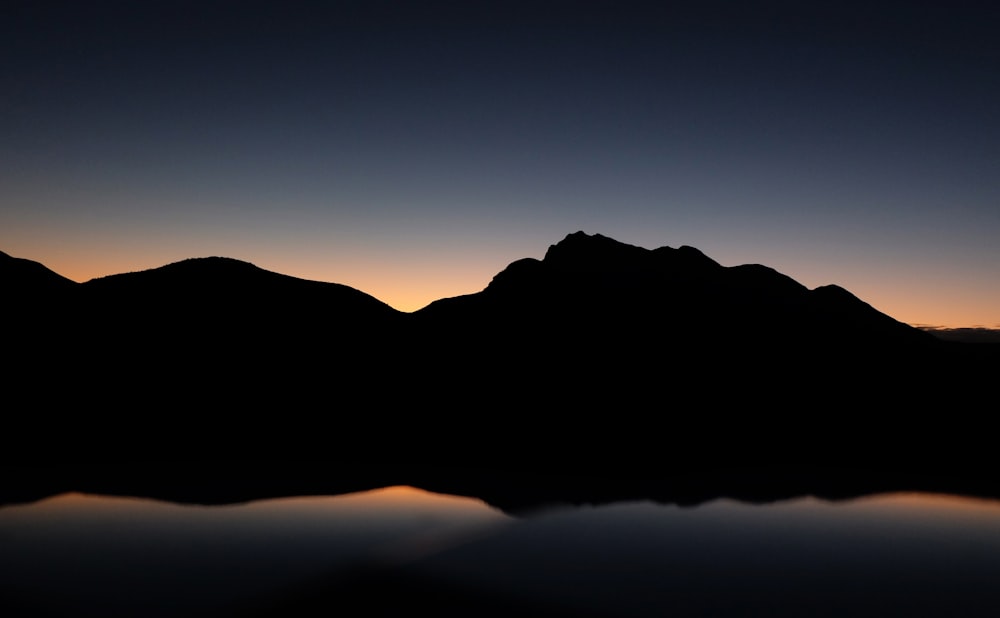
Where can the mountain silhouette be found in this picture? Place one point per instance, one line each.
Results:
(215, 302)
(32, 293)
(24, 279)
(599, 288)
(599, 351)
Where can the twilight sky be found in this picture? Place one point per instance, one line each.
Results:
(413, 149)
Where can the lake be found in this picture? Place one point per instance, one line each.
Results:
(397, 549)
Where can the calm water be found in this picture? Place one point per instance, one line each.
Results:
(893, 555)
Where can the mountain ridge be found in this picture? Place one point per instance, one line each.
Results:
(597, 274)
(606, 256)
(596, 346)
(578, 255)
(579, 264)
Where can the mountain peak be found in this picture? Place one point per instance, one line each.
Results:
(212, 264)
(581, 239)
(580, 248)
(595, 252)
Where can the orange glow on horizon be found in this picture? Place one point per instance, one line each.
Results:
(409, 284)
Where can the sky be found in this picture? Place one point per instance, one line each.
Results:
(414, 149)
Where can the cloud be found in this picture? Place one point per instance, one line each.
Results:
(978, 334)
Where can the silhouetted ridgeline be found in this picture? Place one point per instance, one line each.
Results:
(600, 347)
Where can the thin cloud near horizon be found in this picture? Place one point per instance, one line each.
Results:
(972, 334)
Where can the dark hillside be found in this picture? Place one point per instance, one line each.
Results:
(600, 350)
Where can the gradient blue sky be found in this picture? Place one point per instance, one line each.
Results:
(413, 150)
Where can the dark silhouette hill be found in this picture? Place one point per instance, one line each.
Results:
(601, 324)
(219, 283)
(171, 343)
(32, 294)
(23, 279)
(226, 305)
(598, 289)
(237, 331)
(599, 352)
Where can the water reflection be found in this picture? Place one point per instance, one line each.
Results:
(899, 555)
(106, 556)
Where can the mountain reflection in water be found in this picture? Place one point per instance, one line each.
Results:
(401, 549)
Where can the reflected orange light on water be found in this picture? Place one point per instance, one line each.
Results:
(927, 508)
(387, 500)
